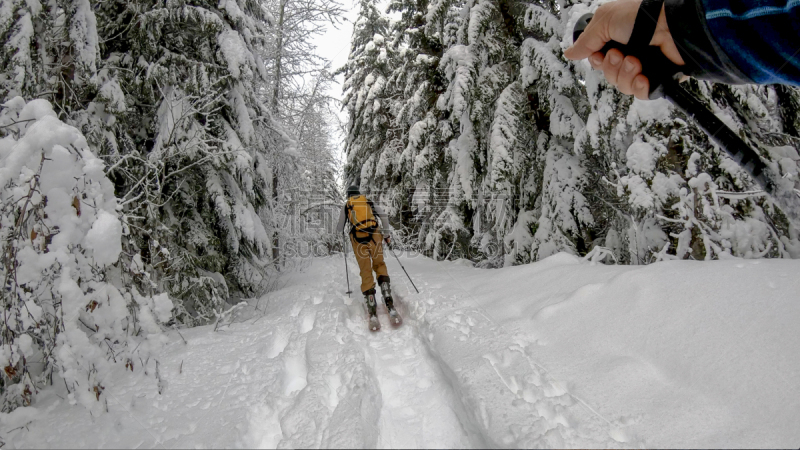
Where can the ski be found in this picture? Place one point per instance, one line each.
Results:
(374, 323)
(394, 318)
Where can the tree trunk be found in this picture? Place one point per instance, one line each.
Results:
(276, 91)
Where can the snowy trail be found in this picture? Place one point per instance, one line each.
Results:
(386, 379)
(305, 374)
(558, 354)
(308, 374)
(418, 402)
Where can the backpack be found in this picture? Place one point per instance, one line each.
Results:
(359, 211)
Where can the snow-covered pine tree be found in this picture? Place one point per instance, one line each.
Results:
(368, 97)
(646, 178)
(563, 219)
(465, 145)
(174, 99)
(508, 145)
(196, 143)
(166, 94)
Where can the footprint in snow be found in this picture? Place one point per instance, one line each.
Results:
(619, 435)
(296, 308)
(622, 433)
(334, 384)
(295, 374)
(308, 323)
(279, 343)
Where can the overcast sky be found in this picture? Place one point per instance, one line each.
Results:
(335, 46)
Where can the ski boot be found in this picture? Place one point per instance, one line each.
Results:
(394, 316)
(372, 310)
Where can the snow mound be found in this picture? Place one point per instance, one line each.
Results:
(674, 354)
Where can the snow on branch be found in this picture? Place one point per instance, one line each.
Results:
(62, 237)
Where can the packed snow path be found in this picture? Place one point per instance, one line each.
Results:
(560, 353)
(418, 406)
(304, 372)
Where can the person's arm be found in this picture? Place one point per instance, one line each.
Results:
(386, 228)
(738, 41)
(730, 41)
(342, 218)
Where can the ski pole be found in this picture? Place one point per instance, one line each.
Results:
(346, 271)
(401, 266)
(661, 73)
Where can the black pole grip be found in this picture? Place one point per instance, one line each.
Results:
(655, 66)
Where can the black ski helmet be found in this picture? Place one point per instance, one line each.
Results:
(352, 191)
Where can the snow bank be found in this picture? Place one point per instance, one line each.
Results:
(674, 354)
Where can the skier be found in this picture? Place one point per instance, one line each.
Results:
(367, 237)
(728, 41)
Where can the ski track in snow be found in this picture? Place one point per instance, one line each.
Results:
(418, 403)
(393, 388)
(307, 373)
(510, 401)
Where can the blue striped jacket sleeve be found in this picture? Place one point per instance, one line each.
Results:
(738, 41)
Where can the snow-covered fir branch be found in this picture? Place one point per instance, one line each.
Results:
(165, 185)
(467, 120)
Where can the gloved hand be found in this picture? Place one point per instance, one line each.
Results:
(388, 238)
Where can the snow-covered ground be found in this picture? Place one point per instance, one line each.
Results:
(559, 353)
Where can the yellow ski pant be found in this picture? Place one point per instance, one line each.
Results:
(370, 258)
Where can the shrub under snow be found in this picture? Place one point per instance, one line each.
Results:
(61, 234)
